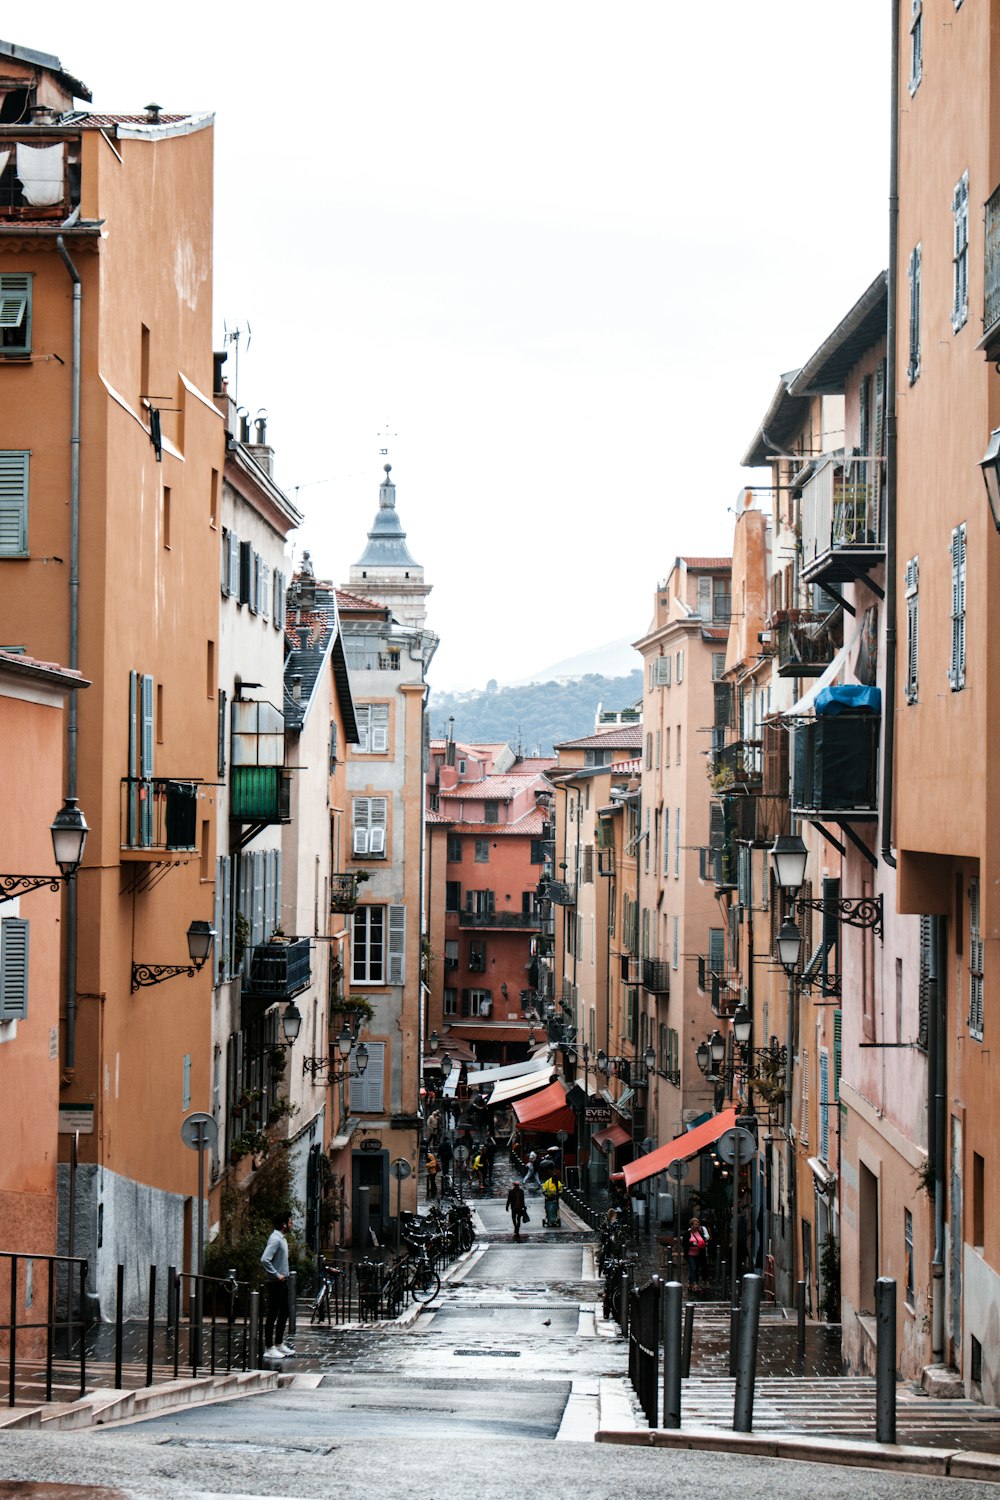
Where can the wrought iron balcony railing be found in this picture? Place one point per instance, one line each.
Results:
(159, 816)
(835, 767)
(806, 642)
(278, 970)
(656, 976)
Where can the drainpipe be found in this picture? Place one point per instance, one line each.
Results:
(937, 1068)
(889, 717)
(74, 653)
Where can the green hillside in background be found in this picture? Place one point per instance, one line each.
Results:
(535, 717)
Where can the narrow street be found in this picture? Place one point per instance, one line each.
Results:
(504, 1380)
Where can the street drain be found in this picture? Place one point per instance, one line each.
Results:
(490, 1353)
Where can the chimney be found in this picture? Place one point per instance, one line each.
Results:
(259, 448)
(152, 114)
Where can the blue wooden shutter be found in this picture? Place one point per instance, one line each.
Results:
(13, 969)
(368, 1091)
(146, 763)
(13, 504)
(397, 945)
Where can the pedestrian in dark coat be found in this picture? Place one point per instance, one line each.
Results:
(489, 1152)
(516, 1207)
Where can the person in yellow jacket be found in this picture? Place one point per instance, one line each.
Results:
(551, 1189)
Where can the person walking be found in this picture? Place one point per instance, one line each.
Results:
(432, 1169)
(531, 1180)
(696, 1251)
(516, 1207)
(489, 1152)
(551, 1189)
(432, 1132)
(275, 1263)
(444, 1157)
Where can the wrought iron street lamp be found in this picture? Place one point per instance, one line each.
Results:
(789, 945)
(200, 937)
(345, 1045)
(69, 836)
(788, 861)
(990, 465)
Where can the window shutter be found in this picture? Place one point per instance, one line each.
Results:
(234, 564)
(925, 981)
(837, 1043)
(956, 671)
(368, 1091)
(224, 564)
(380, 726)
(223, 942)
(361, 825)
(255, 584)
(15, 312)
(268, 923)
(824, 1105)
(146, 763)
(804, 1098)
(914, 271)
(376, 825)
(221, 752)
(397, 944)
(705, 597)
(264, 597)
(13, 969)
(13, 504)
(257, 924)
(217, 918)
(912, 583)
(662, 671)
(775, 757)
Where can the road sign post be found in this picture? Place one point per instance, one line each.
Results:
(201, 1133)
(400, 1169)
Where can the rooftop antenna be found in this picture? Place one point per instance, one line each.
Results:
(385, 437)
(233, 336)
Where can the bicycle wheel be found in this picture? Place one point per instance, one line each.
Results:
(425, 1283)
(321, 1305)
(468, 1235)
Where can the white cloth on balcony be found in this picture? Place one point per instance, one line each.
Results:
(41, 171)
(805, 703)
(4, 155)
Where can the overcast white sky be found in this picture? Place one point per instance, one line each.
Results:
(560, 250)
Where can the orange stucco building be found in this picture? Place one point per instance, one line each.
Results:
(111, 450)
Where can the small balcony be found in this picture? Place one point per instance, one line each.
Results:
(526, 921)
(990, 341)
(278, 971)
(51, 195)
(343, 893)
(656, 976)
(558, 892)
(159, 818)
(842, 532)
(725, 990)
(759, 818)
(835, 768)
(719, 866)
(806, 640)
(736, 765)
(259, 794)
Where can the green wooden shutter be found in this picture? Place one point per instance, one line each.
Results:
(13, 969)
(15, 313)
(13, 504)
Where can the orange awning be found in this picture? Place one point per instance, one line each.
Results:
(688, 1144)
(546, 1112)
(613, 1136)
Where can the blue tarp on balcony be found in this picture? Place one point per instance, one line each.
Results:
(849, 698)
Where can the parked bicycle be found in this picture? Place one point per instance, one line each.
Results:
(330, 1278)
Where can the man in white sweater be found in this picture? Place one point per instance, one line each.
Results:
(275, 1263)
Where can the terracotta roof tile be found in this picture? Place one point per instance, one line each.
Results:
(18, 661)
(106, 122)
(707, 562)
(347, 600)
(621, 737)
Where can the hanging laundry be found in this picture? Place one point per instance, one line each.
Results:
(42, 174)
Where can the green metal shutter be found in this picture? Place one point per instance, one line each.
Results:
(13, 969)
(14, 504)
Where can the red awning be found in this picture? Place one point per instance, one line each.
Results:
(688, 1144)
(610, 1138)
(546, 1112)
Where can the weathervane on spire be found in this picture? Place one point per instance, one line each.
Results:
(384, 438)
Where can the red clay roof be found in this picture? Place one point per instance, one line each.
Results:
(706, 562)
(715, 632)
(18, 661)
(532, 824)
(347, 600)
(105, 122)
(621, 737)
(491, 788)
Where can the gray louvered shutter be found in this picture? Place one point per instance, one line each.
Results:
(13, 969)
(926, 980)
(13, 504)
(133, 759)
(224, 563)
(912, 584)
(397, 945)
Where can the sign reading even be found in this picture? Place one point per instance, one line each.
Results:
(598, 1114)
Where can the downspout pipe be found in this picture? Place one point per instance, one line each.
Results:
(937, 1072)
(892, 297)
(72, 722)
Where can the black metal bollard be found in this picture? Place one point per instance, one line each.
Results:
(119, 1323)
(626, 1294)
(885, 1360)
(293, 1299)
(746, 1366)
(151, 1325)
(800, 1312)
(254, 1332)
(673, 1300)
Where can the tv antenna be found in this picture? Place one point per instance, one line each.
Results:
(233, 336)
(385, 437)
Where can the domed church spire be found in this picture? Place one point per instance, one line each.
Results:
(387, 540)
